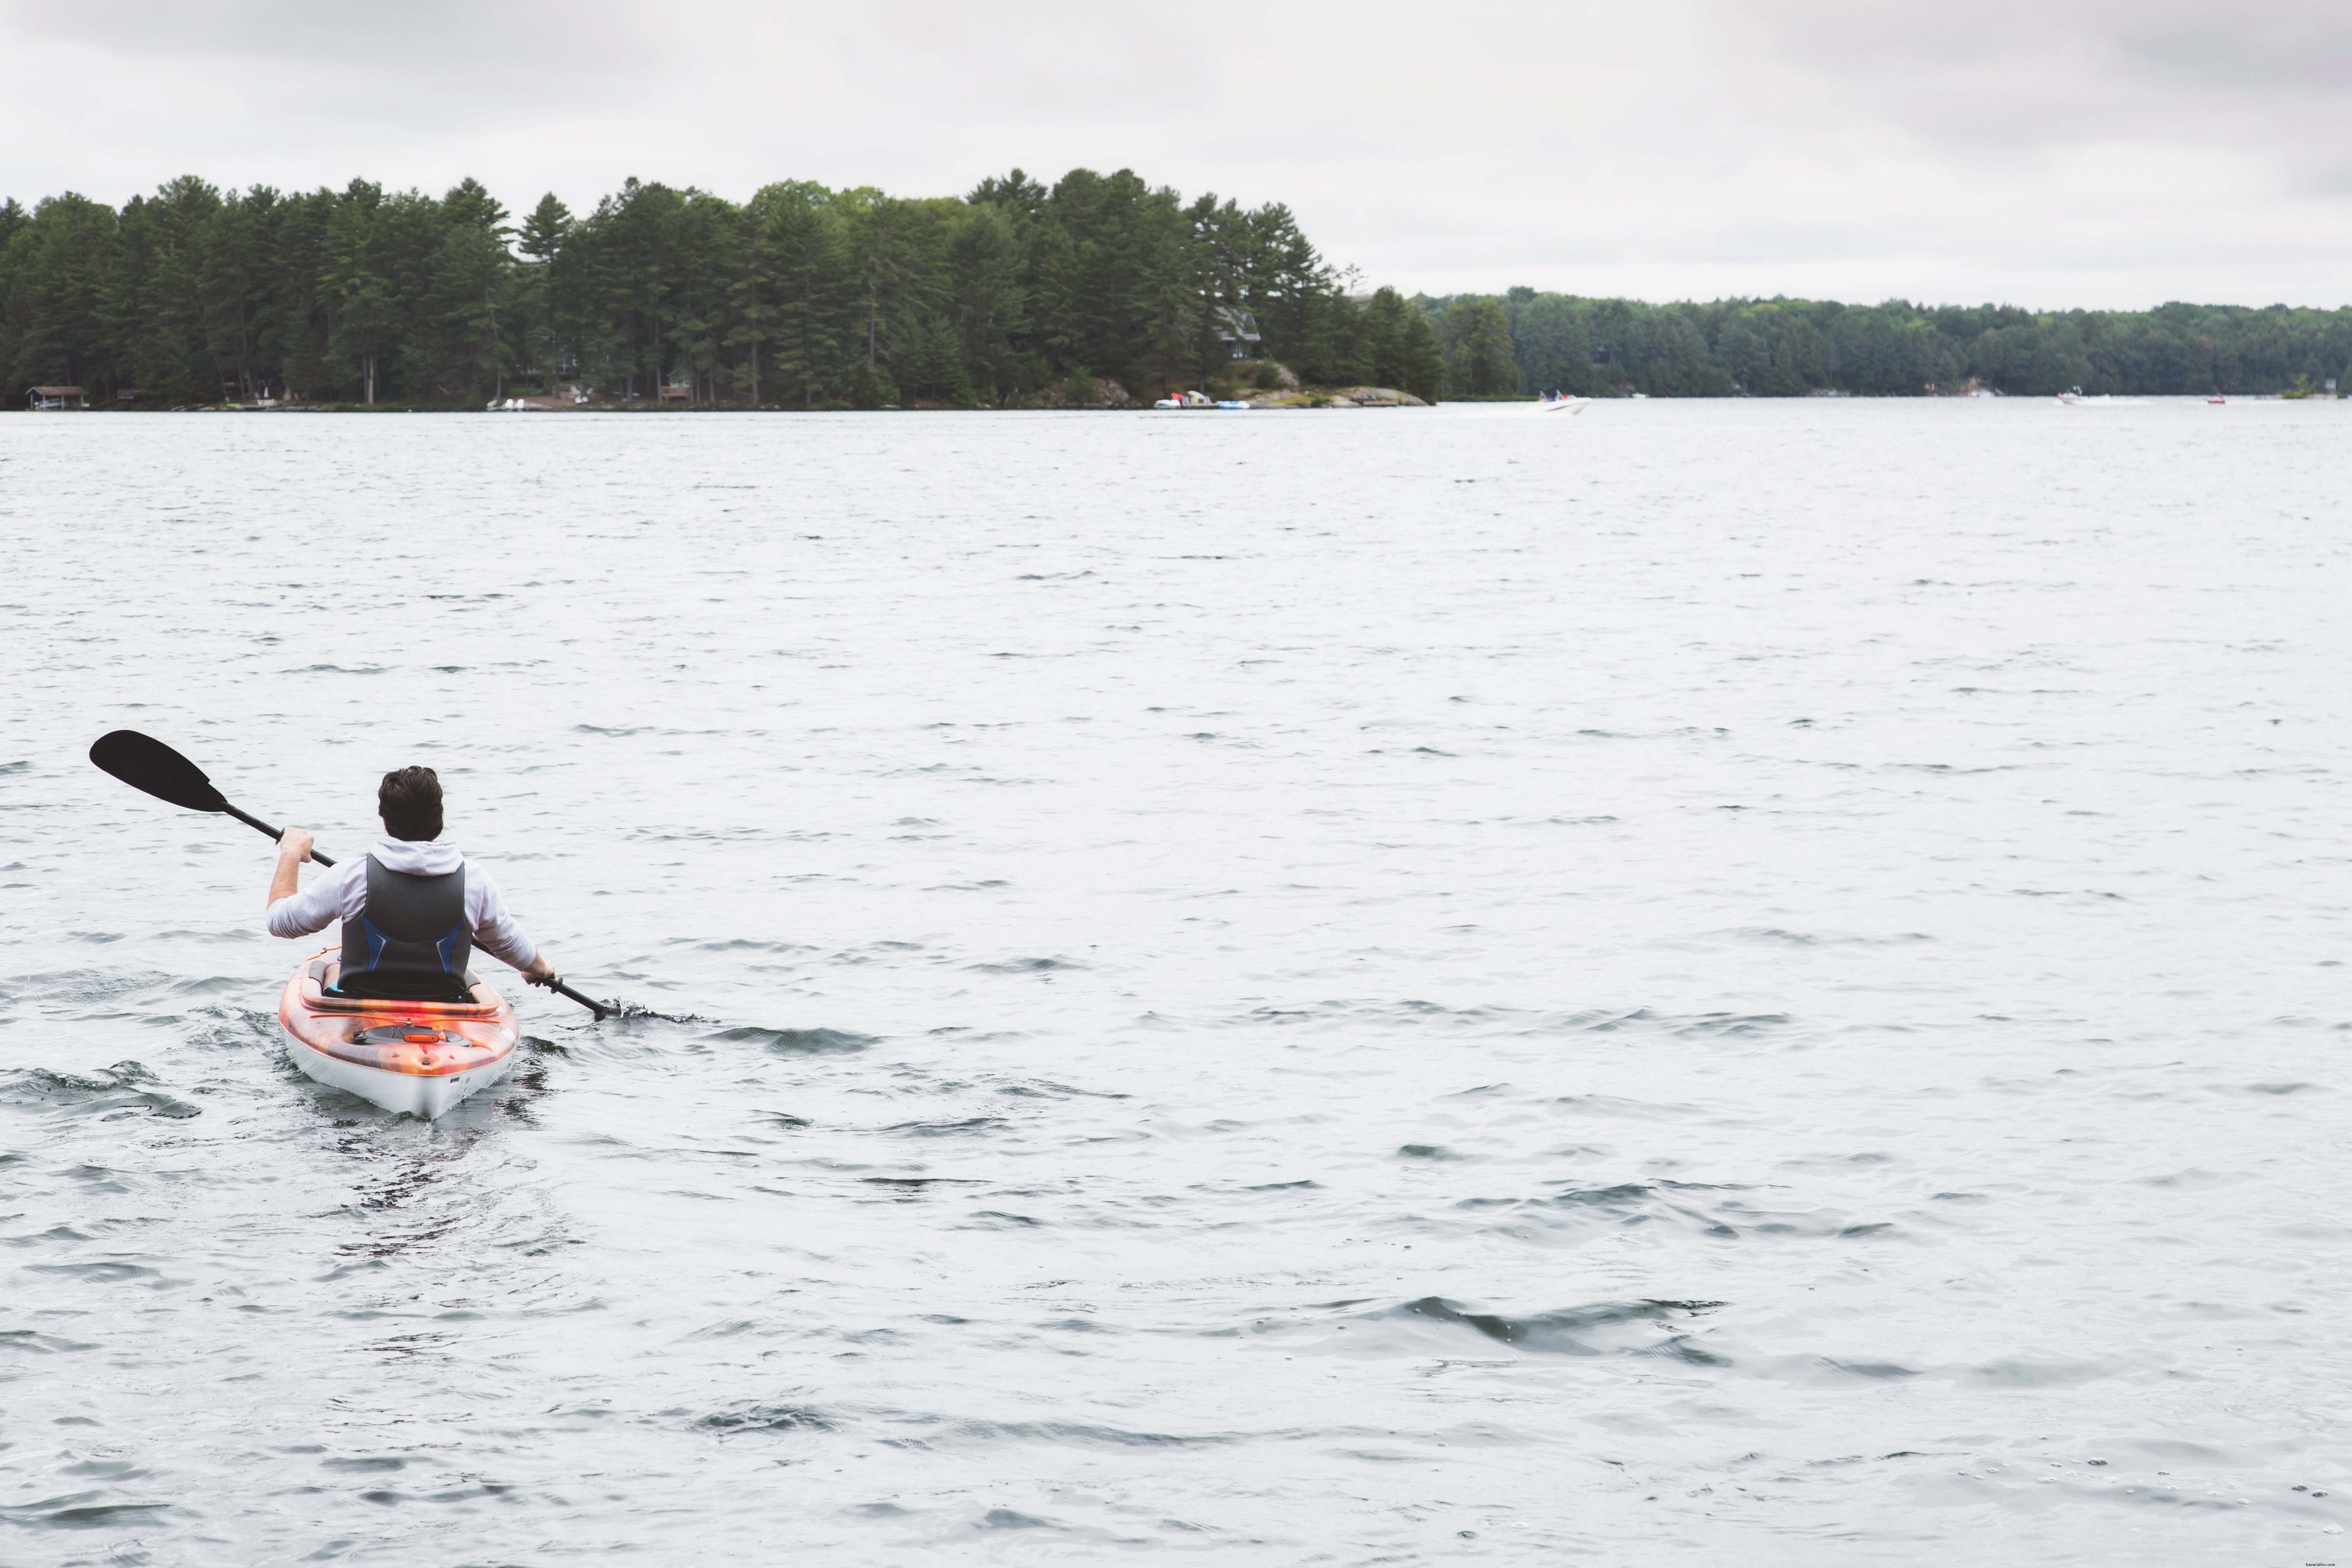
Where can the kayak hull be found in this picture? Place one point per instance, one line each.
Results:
(413, 1058)
(399, 1093)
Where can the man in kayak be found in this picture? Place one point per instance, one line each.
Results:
(412, 909)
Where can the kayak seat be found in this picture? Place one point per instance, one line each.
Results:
(324, 969)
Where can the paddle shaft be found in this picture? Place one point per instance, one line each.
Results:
(256, 822)
(555, 983)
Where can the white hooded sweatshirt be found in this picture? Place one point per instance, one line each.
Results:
(342, 893)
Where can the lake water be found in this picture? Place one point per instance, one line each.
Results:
(1729, 981)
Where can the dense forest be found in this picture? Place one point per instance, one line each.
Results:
(801, 297)
(1789, 348)
(1015, 295)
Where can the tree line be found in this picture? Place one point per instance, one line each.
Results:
(1014, 294)
(801, 297)
(1518, 343)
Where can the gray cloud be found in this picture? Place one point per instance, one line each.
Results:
(2090, 152)
(429, 37)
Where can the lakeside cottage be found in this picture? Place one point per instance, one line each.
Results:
(46, 399)
(1237, 329)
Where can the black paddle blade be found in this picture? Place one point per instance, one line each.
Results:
(146, 763)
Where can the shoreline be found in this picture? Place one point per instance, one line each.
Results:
(1317, 401)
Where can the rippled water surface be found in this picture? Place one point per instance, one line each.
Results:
(1729, 982)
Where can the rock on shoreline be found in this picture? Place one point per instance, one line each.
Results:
(1336, 397)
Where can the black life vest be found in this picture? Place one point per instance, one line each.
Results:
(410, 941)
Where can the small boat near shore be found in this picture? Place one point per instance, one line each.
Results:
(413, 1057)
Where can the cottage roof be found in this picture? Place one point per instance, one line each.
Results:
(59, 391)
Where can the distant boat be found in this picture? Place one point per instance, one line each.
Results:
(2217, 397)
(1230, 403)
(1552, 399)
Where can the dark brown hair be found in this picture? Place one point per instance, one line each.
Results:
(409, 800)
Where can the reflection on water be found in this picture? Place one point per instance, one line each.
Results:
(1750, 979)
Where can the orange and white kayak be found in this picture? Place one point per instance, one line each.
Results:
(421, 1058)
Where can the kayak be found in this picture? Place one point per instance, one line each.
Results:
(420, 1058)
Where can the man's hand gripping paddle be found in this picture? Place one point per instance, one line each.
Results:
(555, 983)
(147, 764)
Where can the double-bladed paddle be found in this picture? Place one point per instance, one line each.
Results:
(146, 763)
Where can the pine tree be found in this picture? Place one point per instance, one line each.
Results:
(813, 290)
(1423, 359)
(543, 238)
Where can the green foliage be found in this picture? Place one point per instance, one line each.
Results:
(805, 296)
(1398, 348)
(1788, 348)
(801, 297)
(1480, 357)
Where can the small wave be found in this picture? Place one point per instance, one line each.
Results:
(1046, 1088)
(1089, 1435)
(1587, 1197)
(87, 985)
(1773, 936)
(1006, 1518)
(1567, 1331)
(117, 1087)
(1697, 1026)
(746, 945)
(1879, 1369)
(1575, 1212)
(1615, 1105)
(1026, 965)
(97, 1273)
(1949, 768)
(240, 934)
(76, 1512)
(764, 1418)
(796, 1042)
(2022, 1371)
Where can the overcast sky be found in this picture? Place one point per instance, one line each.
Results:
(2043, 152)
